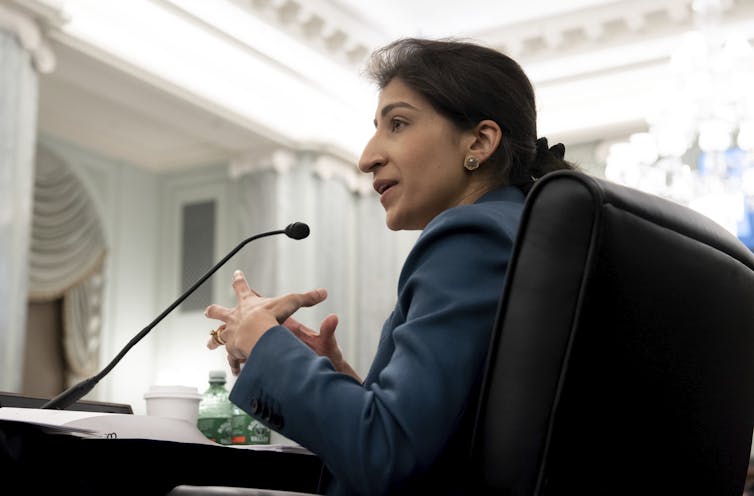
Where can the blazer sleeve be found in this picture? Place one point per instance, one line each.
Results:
(373, 436)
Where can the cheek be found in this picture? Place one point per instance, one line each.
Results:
(432, 156)
(432, 161)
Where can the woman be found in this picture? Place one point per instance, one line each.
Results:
(453, 154)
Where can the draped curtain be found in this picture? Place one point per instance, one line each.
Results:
(66, 259)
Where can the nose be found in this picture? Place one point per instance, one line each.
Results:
(371, 157)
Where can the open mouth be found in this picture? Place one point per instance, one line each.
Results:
(381, 186)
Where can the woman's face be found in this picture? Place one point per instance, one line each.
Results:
(416, 156)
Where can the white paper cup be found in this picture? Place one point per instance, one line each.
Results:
(181, 402)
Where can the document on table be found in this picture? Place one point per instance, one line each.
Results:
(125, 426)
(108, 425)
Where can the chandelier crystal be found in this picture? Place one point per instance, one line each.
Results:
(699, 147)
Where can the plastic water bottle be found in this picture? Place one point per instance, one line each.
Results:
(247, 430)
(216, 410)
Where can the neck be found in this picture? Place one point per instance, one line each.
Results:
(475, 191)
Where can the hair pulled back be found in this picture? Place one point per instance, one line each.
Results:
(469, 83)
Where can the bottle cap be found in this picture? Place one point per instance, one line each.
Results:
(217, 375)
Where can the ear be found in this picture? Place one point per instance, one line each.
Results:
(486, 138)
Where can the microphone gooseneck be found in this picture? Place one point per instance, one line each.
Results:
(297, 230)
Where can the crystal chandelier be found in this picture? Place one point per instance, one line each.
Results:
(704, 116)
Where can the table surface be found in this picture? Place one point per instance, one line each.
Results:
(45, 460)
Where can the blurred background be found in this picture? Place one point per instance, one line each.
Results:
(142, 140)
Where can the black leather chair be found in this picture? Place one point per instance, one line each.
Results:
(622, 359)
(623, 356)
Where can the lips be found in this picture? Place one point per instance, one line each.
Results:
(382, 185)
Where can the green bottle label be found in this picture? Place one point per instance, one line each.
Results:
(246, 430)
(258, 433)
(239, 428)
(216, 429)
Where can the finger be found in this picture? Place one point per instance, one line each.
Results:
(240, 286)
(216, 340)
(212, 344)
(235, 364)
(307, 299)
(328, 325)
(285, 306)
(217, 312)
(298, 328)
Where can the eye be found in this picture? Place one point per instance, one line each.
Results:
(396, 124)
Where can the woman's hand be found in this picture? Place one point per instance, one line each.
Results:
(323, 343)
(244, 324)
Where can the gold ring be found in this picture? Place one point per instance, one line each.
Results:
(217, 335)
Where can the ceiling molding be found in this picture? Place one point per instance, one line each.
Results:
(346, 36)
(29, 21)
(605, 26)
(586, 29)
(592, 69)
(48, 13)
(132, 119)
(333, 29)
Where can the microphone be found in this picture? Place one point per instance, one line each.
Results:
(297, 230)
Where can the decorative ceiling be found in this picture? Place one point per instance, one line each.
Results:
(164, 84)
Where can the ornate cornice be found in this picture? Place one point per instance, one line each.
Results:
(605, 26)
(333, 29)
(344, 35)
(28, 21)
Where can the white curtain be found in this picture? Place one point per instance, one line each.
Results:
(66, 259)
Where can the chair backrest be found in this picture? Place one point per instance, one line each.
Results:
(622, 360)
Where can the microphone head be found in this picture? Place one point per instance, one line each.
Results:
(297, 230)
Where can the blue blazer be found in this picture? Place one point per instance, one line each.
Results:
(407, 427)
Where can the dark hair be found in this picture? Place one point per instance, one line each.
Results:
(468, 83)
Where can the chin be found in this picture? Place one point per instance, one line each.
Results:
(393, 226)
(398, 225)
(392, 223)
(397, 221)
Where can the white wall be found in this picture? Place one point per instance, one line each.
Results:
(350, 252)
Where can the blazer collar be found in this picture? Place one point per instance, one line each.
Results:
(505, 193)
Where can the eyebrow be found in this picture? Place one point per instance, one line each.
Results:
(390, 106)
